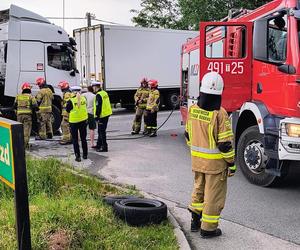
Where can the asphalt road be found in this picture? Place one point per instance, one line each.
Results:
(162, 166)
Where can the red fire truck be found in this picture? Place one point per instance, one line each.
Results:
(257, 54)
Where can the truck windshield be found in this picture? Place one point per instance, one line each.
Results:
(60, 57)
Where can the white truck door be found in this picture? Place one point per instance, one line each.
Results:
(193, 87)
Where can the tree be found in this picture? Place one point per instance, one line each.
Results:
(186, 14)
(158, 14)
(194, 11)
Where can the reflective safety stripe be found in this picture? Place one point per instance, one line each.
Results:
(23, 111)
(197, 206)
(233, 168)
(45, 107)
(205, 150)
(210, 218)
(229, 154)
(225, 135)
(206, 155)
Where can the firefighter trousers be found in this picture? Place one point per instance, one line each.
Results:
(26, 120)
(65, 127)
(151, 120)
(139, 113)
(208, 198)
(45, 124)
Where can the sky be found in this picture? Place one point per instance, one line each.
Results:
(117, 11)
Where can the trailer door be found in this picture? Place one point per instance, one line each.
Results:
(226, 48)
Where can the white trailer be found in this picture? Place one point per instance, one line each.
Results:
(119, 56)
(32, 47)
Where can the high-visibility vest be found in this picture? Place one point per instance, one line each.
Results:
(106, 106)
(206, 129)
(25, 102)
(78, 114)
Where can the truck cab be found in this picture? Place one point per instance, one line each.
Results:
(257, 54)
(32, 47)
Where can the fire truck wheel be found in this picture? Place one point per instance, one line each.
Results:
(140, 212)
(252, 160)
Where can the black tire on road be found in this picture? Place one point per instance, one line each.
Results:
(250, 149)
(173, 100)
(110, 200)
(140, 212)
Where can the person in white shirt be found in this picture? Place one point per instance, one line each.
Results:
(90, 96)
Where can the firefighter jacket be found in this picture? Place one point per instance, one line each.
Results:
(66, 97)
(208, 133)
(142, 95)
(44, 98)
(102, 106)
(153, 100)
(78, 112)
(25, 104)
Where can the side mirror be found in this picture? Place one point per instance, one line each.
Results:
(288, 69)
(73, 73)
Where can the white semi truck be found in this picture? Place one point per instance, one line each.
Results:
(120, 56)
(32, 47)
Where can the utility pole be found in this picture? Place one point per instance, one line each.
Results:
(89, 19)
(64, 14)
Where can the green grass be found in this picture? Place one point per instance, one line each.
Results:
(61, 202)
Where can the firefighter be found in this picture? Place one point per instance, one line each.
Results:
(25, 104)
(102, 111)
(140, 98)
(44, 99)
(65, 126)
(209, 135)
(152, 108)
(77, 108)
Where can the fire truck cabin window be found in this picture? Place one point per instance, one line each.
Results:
(277, 39)
(59, 57)
(225, 41)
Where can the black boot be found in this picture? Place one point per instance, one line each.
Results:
(77, 158)
(102, 149)
(196, 222)
(211, 234)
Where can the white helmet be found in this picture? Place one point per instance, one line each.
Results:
(96, 83)
(75, 88)
(212, 83)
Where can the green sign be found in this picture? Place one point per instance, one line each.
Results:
(6, 155)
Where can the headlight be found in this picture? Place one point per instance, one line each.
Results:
(293, 130)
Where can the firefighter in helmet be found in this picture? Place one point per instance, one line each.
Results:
(44, 99)
(25, 104)
(152, 108)
(210, 137)
(140, 98)
(65, 126)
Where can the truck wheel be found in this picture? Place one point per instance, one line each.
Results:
(252, 160)
(56, 121)
(173, 100)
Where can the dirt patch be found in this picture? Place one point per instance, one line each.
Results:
(59, 240)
